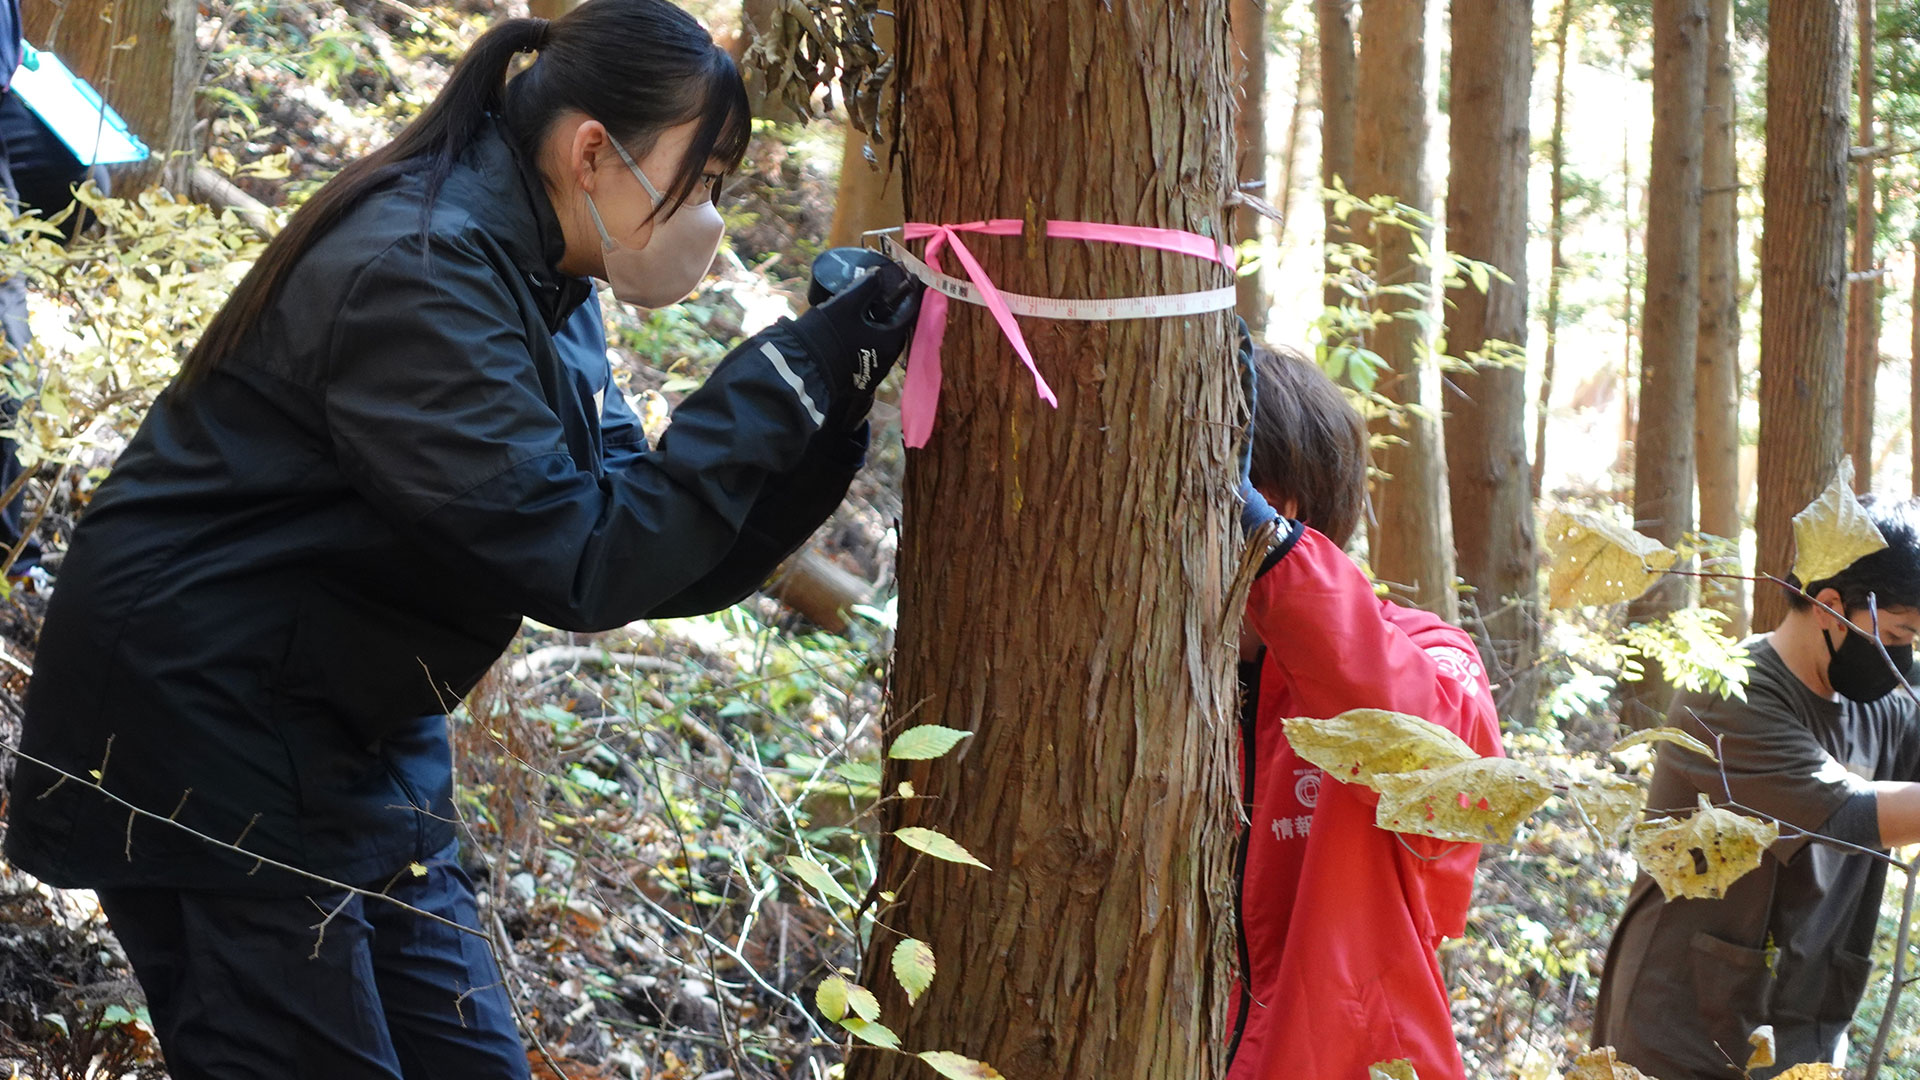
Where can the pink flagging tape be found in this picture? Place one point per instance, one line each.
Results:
(920, 396)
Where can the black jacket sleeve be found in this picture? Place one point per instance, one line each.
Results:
(439, 419)
(792, 508)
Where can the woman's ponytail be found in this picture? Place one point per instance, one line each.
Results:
(637, 66)
(435, 139)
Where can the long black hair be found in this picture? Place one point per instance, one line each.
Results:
(637, 66)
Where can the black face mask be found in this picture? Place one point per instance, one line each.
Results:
(1858, 672)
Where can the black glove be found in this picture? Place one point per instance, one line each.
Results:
(859, 329)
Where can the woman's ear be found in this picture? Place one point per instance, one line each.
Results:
(590, 143)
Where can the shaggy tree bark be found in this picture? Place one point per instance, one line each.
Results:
(1803, 275)
(1066, 575)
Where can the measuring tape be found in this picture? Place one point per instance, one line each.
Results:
(920, 395)
(1043, 307)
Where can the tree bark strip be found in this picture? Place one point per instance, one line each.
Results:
(1338, 118)
(1716, 440)
(1249, 20)
(1066, 574)
(1863, 296)
(1556, 237)
(1803, 271)
(1486, 418)
(1411, 550)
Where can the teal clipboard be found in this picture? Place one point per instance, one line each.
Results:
(79, 116)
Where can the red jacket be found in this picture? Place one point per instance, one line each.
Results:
(1339, 918)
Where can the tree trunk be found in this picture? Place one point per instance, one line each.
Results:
(1663, 446)
(1290, 156)
(1913, 375)
(1716, 440)
(1803, 273)
(1338, 118)
(1863, 294)
(150, 81)
(1411, 550)
(1249, 21)
(1098, 781)
(1486, 421)
(1556, 236)
(550, 9)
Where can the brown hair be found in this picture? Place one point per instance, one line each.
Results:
(637, 66)
(1309, 443)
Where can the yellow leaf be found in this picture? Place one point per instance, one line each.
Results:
(417, 869)
(1472, 802)
(1833, 531)
(831, 998)
(1609, 802)
(1397, 1069)
(913, 965)
(878, 1034)
(1596, 561)
(1763, 1050)
(1812, 1072)
(1700, 855)
(1601, 1064)
(1361, 744)
(955, 1067)
(1666, 734)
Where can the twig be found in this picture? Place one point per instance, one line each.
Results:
(1899, 979)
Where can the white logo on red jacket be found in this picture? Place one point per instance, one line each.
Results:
(1459, 665)
(1306, 787)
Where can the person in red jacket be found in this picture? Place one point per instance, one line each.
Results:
(1339, 919)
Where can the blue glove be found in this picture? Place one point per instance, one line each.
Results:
(1255, 511)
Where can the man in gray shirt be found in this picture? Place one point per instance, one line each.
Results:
(1826, 742)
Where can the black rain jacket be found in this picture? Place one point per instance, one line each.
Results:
(302, 562)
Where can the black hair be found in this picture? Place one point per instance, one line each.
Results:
(1891, 574)
(637, 66)
(1309, 443)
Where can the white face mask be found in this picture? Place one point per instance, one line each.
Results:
(676, 256)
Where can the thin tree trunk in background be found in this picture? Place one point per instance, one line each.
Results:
(1803, 273)
(1556, 235)
(1334, 19)
(1290, 157)
(1489, 484)
(142, 57)
(869, 195)
(550, 9)
(1863, 295)
(1098, 782)
(1629, 388)
(1717, 373)
(1913, 375)
(1670, 326)
(1249, 22)
(1411, 550)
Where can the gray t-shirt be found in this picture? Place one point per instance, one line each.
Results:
(1687, 981)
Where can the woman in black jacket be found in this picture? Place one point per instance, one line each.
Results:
(372, 466)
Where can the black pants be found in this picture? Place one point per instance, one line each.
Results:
(37, 171)
(236, 992)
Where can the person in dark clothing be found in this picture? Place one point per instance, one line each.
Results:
(391, 445)
(1827, 742)
(37, 172)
